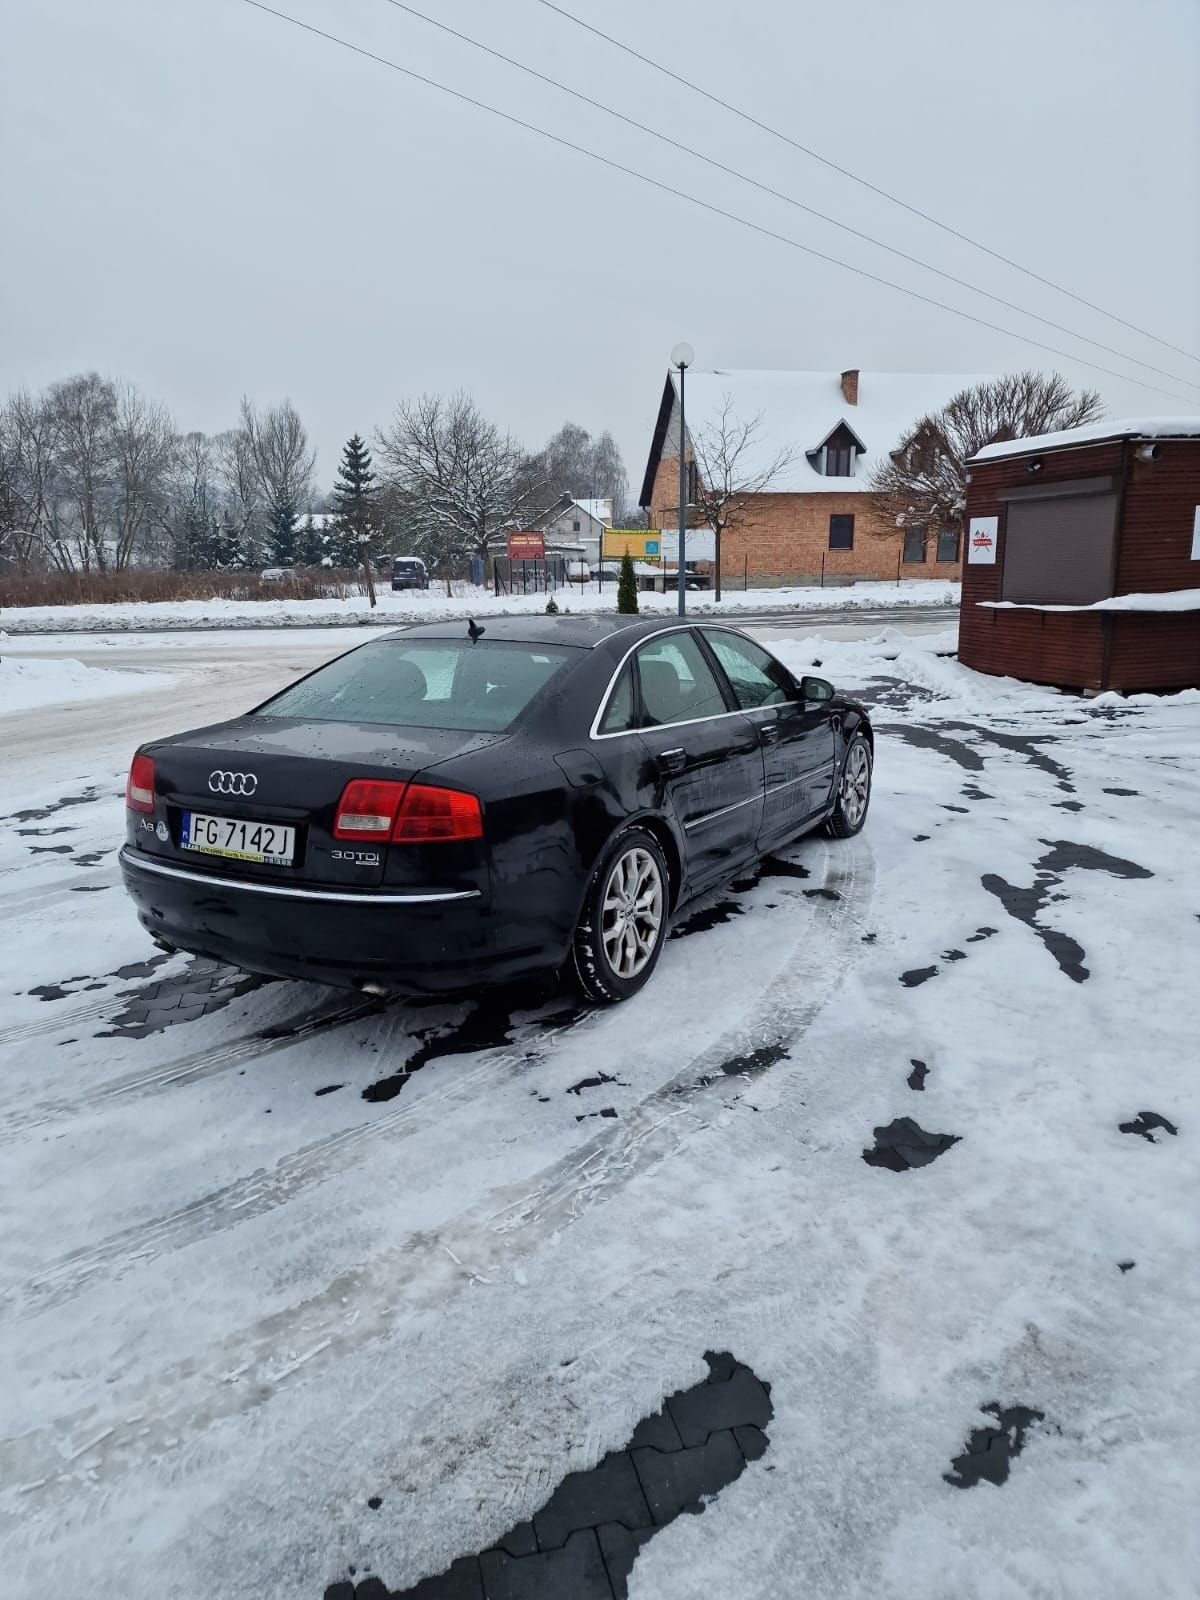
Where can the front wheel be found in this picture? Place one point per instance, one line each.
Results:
(624, 920)
(854, 791)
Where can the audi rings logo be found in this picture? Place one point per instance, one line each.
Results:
(232, 782)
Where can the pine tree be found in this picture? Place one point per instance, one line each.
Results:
(627, 600)
(354, 502)
(310, 543)
(281, 533)
(228, 546)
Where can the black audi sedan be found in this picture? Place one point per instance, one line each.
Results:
(457, 805)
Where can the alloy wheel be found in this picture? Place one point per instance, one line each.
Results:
(631, 912)
(856, 784)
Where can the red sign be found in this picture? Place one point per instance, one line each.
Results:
(528, 545)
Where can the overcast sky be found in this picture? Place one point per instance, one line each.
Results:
(205, 200)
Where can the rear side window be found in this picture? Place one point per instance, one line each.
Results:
(619, 716)
(676, 682)
(479, 688)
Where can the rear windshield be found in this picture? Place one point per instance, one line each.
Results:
(437, 683)
(408, 566)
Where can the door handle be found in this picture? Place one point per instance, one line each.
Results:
(672, 761)
(768, 732)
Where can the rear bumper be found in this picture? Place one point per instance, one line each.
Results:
(433, 942)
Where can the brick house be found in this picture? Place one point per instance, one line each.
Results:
(815, 520)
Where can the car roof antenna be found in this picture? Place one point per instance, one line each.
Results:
(474, 630)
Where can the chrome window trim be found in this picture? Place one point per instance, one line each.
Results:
(357, 897)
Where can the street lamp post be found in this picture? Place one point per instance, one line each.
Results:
(682, 357)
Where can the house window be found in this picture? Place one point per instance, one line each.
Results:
(914, 545)
(839, 460)
(693, 483)
(947, 544)
(575, 526)
(841, 532)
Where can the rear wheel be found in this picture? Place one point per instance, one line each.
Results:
(854, 791)
(624, 919)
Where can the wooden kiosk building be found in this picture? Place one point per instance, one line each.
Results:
(1082, 560)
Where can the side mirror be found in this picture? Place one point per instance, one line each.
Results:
(816, 688)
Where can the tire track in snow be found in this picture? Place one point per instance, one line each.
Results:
(187, 1069)
(247, 1367)
(260, 1191)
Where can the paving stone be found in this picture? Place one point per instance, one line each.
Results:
(657, 1432)
(576, 1572)
(752, 1442)
(721, 1366)
(518, 1541)
(740, 1399)
(677, 1481)
(620, 1548)
(463, 1581)
(609, 1492)
(187, 1014)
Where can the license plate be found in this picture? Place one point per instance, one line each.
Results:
(267, 843)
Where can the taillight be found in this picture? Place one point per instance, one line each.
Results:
(414, 813)
(427, 814)
(367, 809)
(139, 791)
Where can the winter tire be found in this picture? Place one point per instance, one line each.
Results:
(854, 791)
(624, 920)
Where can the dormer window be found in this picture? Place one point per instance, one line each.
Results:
(836, 455)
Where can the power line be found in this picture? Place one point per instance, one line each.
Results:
(720, 166)
(865, 183)
(706, 205)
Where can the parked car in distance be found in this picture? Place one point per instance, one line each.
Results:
(457, 805)
(577, 571)
(275, 574)
(409, 572)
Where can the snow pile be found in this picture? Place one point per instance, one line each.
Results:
(405, 606)
(28, 685)
(1167, 600)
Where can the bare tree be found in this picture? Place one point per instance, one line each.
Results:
(29, 524)
(459, 478)
(732, 467)
(244, 508)
(283, 463)
(143, 444)
(924, 482)
(84, 409)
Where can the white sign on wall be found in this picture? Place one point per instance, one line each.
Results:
(701, 544)
(981, 541)
(1196, 536)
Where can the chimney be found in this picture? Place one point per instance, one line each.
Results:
(850, 386)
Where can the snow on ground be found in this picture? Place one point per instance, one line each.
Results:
(234, 1307)
(432, 606)
(29, 685)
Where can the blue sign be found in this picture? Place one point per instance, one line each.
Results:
(651, 547)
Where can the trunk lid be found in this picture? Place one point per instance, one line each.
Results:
(292, 772)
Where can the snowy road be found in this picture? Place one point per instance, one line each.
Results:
(268, 1253)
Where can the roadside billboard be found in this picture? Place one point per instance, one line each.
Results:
(527, 545)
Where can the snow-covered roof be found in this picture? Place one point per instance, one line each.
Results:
(599, 510)
(1094, 433)
(799, 410)
(319, 519)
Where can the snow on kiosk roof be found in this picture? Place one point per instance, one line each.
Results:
(799, 411)
(1094, 433)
